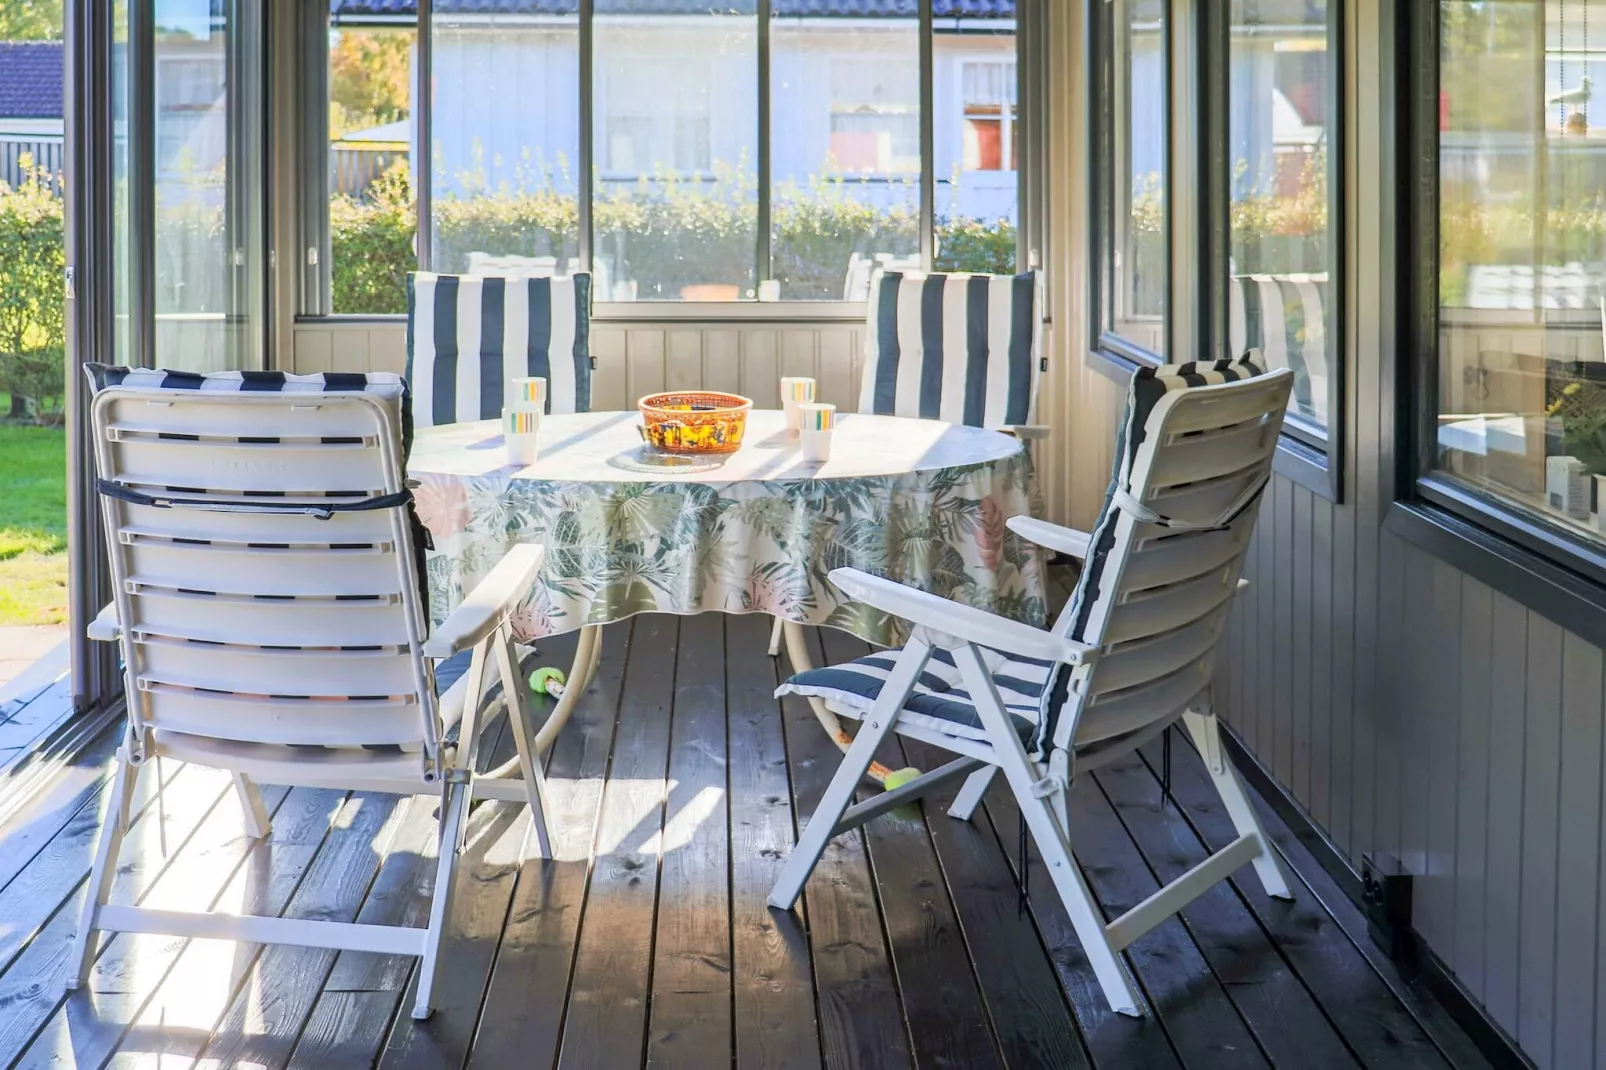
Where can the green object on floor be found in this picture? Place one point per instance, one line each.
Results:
(543, 679)
(899, 777)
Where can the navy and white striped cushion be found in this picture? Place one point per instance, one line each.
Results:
(940, 701)
(1282, 315)
(960, 348)
(469, 335)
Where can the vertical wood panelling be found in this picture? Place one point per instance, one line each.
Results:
(1472, 784)
(644, 362)
(722, 360)
(683, 359)
(1299, 701)
(609, 347)
(1440, 736)
(1321, 673)
(1508, 722)
(1536, 994)
(761, 368)
(1577, 840)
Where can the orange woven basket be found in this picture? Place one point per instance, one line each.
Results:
(694, 421)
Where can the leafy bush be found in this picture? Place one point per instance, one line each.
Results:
(32, 291)
(668, 237)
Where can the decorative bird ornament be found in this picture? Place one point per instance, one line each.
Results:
(1575, 96)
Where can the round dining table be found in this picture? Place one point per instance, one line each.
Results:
(629, 530)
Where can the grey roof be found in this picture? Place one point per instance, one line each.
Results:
(943, 9)
(31, 76)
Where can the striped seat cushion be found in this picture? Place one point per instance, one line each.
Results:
(1283, 316)
(960, 348)
(939, 702)
(468, 336)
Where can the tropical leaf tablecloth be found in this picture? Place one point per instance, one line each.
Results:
(918, 501)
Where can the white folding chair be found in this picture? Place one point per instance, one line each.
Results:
(269, 609)
(1131, 654)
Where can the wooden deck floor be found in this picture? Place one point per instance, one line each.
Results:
(678, 788)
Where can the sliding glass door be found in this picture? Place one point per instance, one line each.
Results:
(207, 171)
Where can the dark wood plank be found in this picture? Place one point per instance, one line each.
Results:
(522, 1020)
(132, 970)
(689, 1021)
(1300, 698)
(1033, 1021)
(948, 1024)
(1321, 660)
(1113, 1040)
(1274, 1004)
(861, 1023)
(1347, 982)
(38, 825)
(345, 1030)
(607, 1017)
(267, 1017)
(773, 979)
(31, 986)
(485, 875)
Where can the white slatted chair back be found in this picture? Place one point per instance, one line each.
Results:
(263, 559)
(469, 336)
(961, 348)
(1166, 554)
(1283, 317)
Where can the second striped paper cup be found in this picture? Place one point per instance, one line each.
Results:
(520, 429)
(816, 422)
(795, 391)
(528, 393)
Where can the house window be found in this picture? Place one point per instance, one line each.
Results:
(1280, 292)
(640, 146)
(1516, 383)
(1133, 130)
(989, 92)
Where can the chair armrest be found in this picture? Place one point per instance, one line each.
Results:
(949, 618)
(489, 604)
(1026, 432)
(104, 628)
(1068, 541)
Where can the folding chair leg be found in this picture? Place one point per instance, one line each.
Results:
(257, 822)
(518, 714)
(971, 793)
(1206, 732)
(834, 803)
(1052, 842)
(454, 823)
(775, 638)
(103, 871)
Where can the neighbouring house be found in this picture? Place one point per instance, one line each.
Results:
(30, 107)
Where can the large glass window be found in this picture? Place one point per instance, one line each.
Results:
(1521, 395)
(1280, 105)
(372, 218)
(505, 133)
(634, 146)
(847, 170)
(675, 204)
(209, 156)
(976, 133)
(1136, 264)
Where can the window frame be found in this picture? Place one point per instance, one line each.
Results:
(1304, 454)
(313, 292)
(1543, 565)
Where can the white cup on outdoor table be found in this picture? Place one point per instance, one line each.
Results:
(795, 390)
(816, 422)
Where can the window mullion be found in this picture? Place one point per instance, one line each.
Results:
(928, 170)
(424, 151)
(583, 180)
(765, 177)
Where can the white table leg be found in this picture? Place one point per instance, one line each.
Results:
(797, 649)
(586, 654)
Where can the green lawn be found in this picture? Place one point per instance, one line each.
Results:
(33, 524)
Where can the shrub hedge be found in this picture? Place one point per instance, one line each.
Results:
(32, 293)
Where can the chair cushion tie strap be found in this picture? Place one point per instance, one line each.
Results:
(322, 511)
